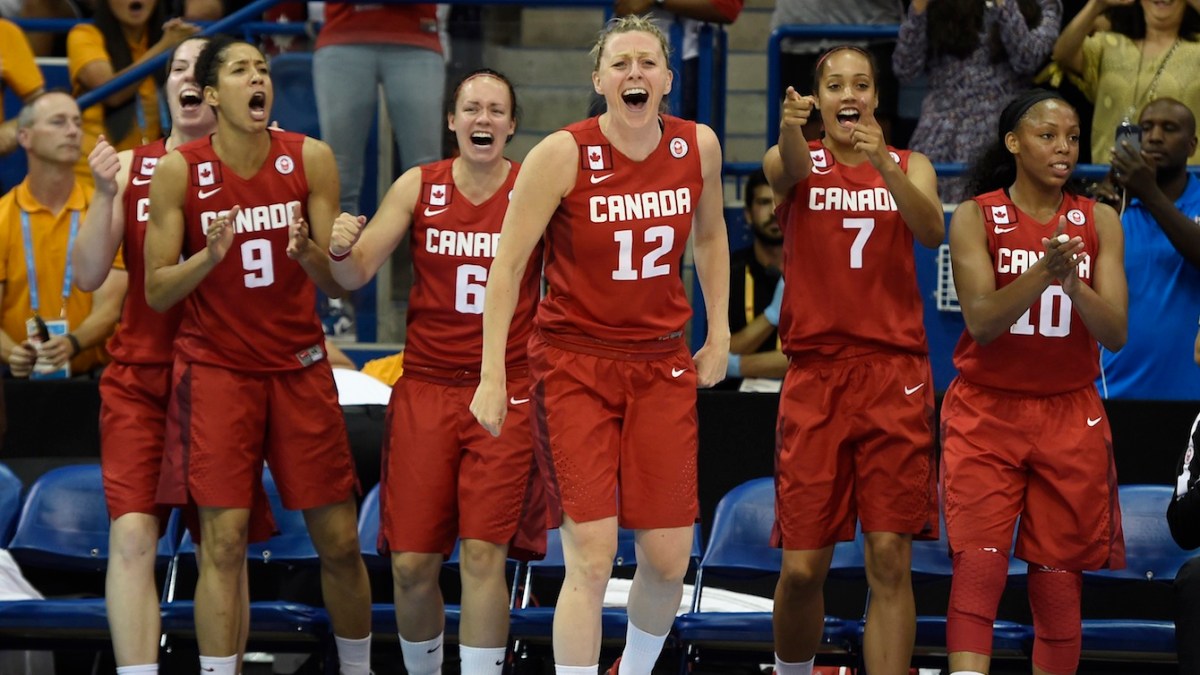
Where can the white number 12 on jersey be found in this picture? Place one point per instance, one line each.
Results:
(663, 234)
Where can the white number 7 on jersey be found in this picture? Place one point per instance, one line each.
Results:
(865, 227)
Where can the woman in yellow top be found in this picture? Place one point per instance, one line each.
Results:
(1150, 52)
(124, 33)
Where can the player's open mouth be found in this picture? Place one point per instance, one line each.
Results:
(635, 97)
(190, 99)
(258, 105)
(848, 117)
(482, 138)
(1062, 168)
(136, 6)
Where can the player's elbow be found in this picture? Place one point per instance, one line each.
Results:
(86, 280)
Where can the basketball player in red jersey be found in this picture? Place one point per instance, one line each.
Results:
(443, 475)
(614, 386)
(855, 418)
(252, 381)
(135, 388)
(1039, 275)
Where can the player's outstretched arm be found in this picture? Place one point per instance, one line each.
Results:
(104, 224)
(917, 198)
(789, 162)
(357, 248)
(547, 175)
(169, 280)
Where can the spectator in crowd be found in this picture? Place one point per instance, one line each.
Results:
(1150, 52)
(798, 62)
(19, 74)
(977, 56)
(1161, 220)
(124, 33)
(361, 47)
(38, 221)
(691, 15)
(756, 284)
(1183, 517)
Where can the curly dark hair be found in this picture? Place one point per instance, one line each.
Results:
(956, 27)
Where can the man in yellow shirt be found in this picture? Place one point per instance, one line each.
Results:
(19, 73)
(38, 220)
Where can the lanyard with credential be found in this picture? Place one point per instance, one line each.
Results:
(31, 270)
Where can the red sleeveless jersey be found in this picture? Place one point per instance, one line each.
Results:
(143, 336)
(615, 245)
(848, 262)
(453, 244)
(256, 310)
(1048, 350)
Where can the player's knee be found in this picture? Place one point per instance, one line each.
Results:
(1054, 597)
(132, 544)
(979, 577)
(413, 570)
(800, 579)
(481, 559)
(888, 562)
(224, 551)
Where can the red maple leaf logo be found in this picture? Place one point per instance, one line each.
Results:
(595, 156)
(205, 173)
(437, 191)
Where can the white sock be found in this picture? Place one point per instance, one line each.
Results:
(422, 658)
(801, 668)
(641, 651)
(218, 665)
(354, 656)
(577, 670)
(147, 669)
(481, 660)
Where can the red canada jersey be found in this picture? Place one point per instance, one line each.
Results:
(848, 262)
(143, 335)
(256, 310)
(1048, 350)
(615, 244)
(453, 244)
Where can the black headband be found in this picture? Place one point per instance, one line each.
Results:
(1015, 110)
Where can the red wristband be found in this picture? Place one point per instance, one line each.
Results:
(336, 257)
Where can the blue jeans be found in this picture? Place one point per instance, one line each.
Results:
(345, 79)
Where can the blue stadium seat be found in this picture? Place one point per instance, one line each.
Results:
(64, 526)
(295, 105)
(739, 548)
(1151, 557)
(10, 503)
(285, 625)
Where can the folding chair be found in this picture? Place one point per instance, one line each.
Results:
(739, 548)
(1152, 560)
(64, 527)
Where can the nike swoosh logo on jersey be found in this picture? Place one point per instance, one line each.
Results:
(141, 181)
(517, 401)
(600, 179)
(821, 172)
(1093, 422)
(676, 372)
(433, 212)
(1003, 230)
(909, 391)
(205, 194)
